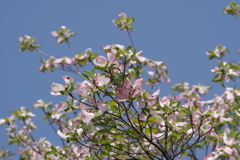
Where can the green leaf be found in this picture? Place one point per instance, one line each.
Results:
(222, 83)
(62, 92)
(93, 71)
(112, 103)
(198, 146)
(108, 148)
(98, 124)
(100, 68)
(103, 154)
(121, 52)
(128, 48)
(152, 120)
(53, 148)
(42, 60)
(151, 130)
(49, 153)
(107, 51)
(119, 146)
(102, 131)
(130, 132)
(88, 72)
(85, 76)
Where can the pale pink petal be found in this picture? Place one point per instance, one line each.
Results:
(102, 108)
(171, 118)
(168, 79)
(20, 39)
(123, 93)
(228, 150)
(139, 53)
(59, 60)
(54, 33)
(207, 109)
(63, 136)
(2, 121)
(141, 59)
(226, 139)
(55, 93)
(237, 113)
(111, 57)
(138, 82)
(73, 123)
(122, 15)
(60, 39)
(158, 62)
(157, 92)
(79, 131)
(88, 50)
(26, 36)
(102, 80)
(141, 104)
(57, 87)
(31, 114)
(160, 121)
(227, 119)
(68, 79)
(209, 157)
(154, 95)
(60, 122)
(68, 60)
(100, 61)
(61, 106)
(121, 47)
(127, 83)
(151, 73)
(86, 116)
(106, 47)
(120, 100)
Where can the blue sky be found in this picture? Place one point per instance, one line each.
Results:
(176, 32)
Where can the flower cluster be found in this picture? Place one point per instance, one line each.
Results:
(116, 116)
(124, 22)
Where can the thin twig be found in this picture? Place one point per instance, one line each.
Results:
(130, 37)
(231, 59)
(235, 80)
(45, 54)
(70, 49)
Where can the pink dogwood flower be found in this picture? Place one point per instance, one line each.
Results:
(68, 79)
(112, 48)
(84, 88)
(103, 61)
(86, 115)
(154, 95)
(25, 112)
(63, 61)
(56, 88)
(61, 106)
(63, 134)
(129, 89)
(226, 139)
(101, 80)
(122, 14)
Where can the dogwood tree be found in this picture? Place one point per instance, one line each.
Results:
(116, 114)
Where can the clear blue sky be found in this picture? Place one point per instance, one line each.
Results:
(176, 32)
